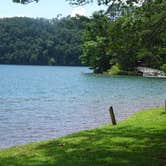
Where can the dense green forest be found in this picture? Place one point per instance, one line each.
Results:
(41, 41)
(135, 39)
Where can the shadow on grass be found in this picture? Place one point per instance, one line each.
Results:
(125, 145)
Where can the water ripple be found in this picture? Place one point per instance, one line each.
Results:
(38, 103)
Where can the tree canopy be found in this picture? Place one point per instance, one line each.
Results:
(99, 2)
(109, 3)
(41, 41)
(137, 39)
(25, 1)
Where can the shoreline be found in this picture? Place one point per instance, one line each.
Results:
(82, 130)
(138, 138)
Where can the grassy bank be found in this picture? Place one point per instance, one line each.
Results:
(139, 140)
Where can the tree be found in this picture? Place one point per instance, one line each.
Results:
(95, 47)
(137, 38)
(106, 2)
(99, 2)
(130, 41)
(25, 1)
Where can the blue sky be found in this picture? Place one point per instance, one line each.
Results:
(45, 8)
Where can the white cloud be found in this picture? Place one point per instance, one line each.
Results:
(79, 10)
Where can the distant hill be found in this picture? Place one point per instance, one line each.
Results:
(30, 41)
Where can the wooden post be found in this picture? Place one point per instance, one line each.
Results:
(112, 115)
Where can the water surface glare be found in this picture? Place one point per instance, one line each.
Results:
(38, 102)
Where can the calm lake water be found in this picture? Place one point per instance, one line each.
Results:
(38, 103)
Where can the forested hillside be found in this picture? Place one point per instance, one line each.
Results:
(40, 41)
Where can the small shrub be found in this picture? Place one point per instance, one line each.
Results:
(115, 69)
(163, 68)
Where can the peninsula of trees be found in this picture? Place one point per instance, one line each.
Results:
(137, 38)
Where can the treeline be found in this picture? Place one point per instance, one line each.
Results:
(40, 41)
(136, 39)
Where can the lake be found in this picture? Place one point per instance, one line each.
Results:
(39, 102)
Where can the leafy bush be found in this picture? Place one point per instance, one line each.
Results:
(115, 69)
(163, 68)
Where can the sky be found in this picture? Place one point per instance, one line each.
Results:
(45, 8)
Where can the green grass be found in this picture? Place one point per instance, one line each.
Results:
(138, 141)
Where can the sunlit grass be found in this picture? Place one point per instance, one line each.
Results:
(139, 140)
